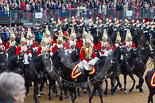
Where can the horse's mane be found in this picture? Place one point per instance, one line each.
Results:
(143, 51)
(12, 57)
(37, 57)
(116, 51)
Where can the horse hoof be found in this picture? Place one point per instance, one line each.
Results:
(41, 93)
(130, 90)
(142, 91)
(73, 102)
(57, 94)
(105, 93)
(95, 94)
(121, 88)
(39, 96)
(66, 97)
(50, 99)
(37, 101)
(125, 92)
(61, 99)
(112, 93)
(79, 95)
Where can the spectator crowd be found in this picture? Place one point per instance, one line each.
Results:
(40, 5)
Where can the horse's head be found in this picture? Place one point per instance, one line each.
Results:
(3, 61)
(75, 55)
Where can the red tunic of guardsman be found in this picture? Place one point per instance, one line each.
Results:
(104, 41)
(118, 41)
(44, 47)
(87, 55)
(11, 42)
(128, 41)
(72, 41)
(29, 41)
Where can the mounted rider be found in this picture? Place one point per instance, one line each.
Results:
(72, 43)
(30, 43)
(118, 41)
(22, 49)
(104, 41)
(128, 41)
(92, 40)
(11, 42)
(44, 48)
(88, 56)
(47, 35)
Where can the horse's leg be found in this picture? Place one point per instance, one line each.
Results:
(49, 94)
(141, 81)
(119, 83)
(131, 75)
(27, 86)
(78, 92)
(125, 91)
(54, 89)
(41, 88)
(66, 92)
(35, 90)
(112, 85)
(75, 93)
(91, 95)
(150, 97)
(72, 98)
(100, 93)
(106, 88)
(61, 91)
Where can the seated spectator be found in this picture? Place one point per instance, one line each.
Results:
(12, 88)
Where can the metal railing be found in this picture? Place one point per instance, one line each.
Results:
(19, 16)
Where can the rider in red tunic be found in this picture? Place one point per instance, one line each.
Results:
(87, 55)
(22, 49)
(104, 41)
(44, 47)
(11, 42)
(72, 41)
(118, 41)
(128, 41)
(30, 42)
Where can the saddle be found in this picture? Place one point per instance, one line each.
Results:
(153, 80)
(76, 72)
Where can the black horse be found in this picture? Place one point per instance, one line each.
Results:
(11, 51)
(140, 65)
(3, 61)
(149, 78)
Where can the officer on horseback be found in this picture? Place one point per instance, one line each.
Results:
(44, 48)
(72, 42)
(128, 41)
(118, 41)
(11, 42)
(22, 49)
(29, 42)
(104, 41)
(88, 56)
